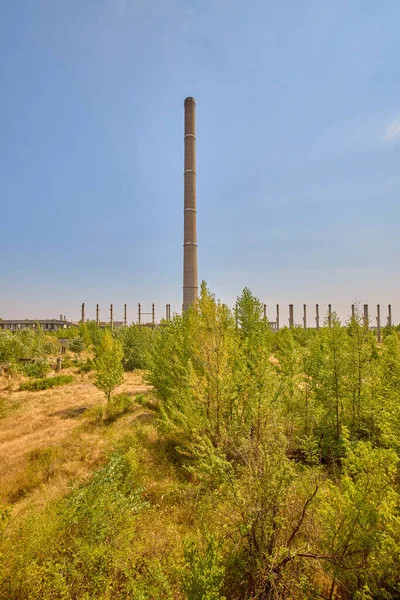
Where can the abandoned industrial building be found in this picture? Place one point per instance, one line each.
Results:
(46, 324)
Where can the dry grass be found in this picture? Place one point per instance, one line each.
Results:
(51, 419)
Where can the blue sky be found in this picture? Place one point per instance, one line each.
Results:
(298, 150)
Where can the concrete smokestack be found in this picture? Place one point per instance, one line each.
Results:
(190, 282)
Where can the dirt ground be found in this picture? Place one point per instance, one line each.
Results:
(46, 419)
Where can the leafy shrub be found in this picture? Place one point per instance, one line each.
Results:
(137, 342)
(66, 362)
(36, 370)
(45, 383)
(203, 574)
(77, 344)
(87, 366)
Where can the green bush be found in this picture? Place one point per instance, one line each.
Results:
(86, 366)
(77, 345)
(203, 573)
(45, 383)
(66, 362)
(137, 342)
(36, 370)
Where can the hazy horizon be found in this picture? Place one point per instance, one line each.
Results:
(298, 147)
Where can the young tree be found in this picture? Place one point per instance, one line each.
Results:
(108, 365)
(77, 345)
(137, 342)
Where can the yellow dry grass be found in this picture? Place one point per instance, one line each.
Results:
(51, 421)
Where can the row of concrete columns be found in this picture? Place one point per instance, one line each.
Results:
(140, 314)
(275, 325)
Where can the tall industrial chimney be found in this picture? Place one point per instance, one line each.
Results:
(190, 283)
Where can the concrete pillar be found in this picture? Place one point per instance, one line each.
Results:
(125, 318)
(378, 322)
(265, 312)
(330, 315)
(366, 318)
(305, 316)
(277, 317)
(83, 313)
(139, 313)
(65, 318)
(61, 318)
(111, 317)
(389, 319)
(291, 316)
(97, 315)
(317, 316)
(190, 281)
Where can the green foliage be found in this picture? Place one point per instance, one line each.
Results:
(108, 365)
(137, 342)
(77, 345)
(259, 429)
(79, 543)
(280, 460)
(203, 573)
(39, 369)
(86, 366)
(26, 343)
(46, 383)
(361, 524)
(66, 362)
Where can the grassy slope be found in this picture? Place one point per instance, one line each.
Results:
(48, 443)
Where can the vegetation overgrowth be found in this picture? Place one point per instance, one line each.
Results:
(45, 383)
(262, 465)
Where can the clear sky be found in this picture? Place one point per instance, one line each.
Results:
(298, 152)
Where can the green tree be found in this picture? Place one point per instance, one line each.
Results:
(137, 342)
(361, 357)
(329, 384)
(108, 365)
(77, 345)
